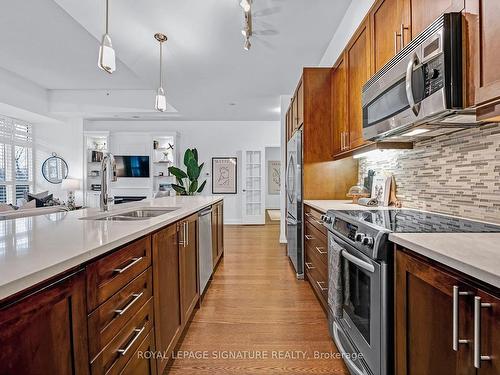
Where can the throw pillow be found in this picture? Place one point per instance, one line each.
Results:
(40, 198)
(6, 207)
(30, 204)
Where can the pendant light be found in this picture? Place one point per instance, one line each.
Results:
(161, 100)
(107, 60)
(247, 25)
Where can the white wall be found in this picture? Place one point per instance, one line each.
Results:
(65, 139)
(211, 138)
(350, 22)
(272, 200)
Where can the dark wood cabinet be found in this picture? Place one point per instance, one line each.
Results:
(299, 120)
(188, 270)
(139, 364)
(167, 308)
(426, 295)
(358, 58)
(316, 254)
(46, 332)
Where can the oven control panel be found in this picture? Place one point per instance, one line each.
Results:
(346, 229)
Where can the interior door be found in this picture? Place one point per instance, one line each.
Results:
(253, 187)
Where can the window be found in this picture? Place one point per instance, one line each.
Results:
(16, 159)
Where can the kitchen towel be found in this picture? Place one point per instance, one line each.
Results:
(335, 278)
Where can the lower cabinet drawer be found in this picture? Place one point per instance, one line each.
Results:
(141, 362)
(317, 241)
(108, 275)
(318, 281)
(118, 352)
(107, 320)
(315, 258)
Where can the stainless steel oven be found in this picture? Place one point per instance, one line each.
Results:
(418, 93)
(361, 331)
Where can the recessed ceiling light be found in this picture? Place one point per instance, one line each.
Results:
(136, 116)
(232, 104)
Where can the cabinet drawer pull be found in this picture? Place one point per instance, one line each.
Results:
(319, 222)
(456, 340)
(478, 305)
(308, 237)
(136, 296)
(138, 332)
(320, 287)
(131, 264)
(309, 267)
(321, 250)
(395, 42)
(308, 214)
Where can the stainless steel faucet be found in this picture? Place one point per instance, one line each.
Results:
(107, 158)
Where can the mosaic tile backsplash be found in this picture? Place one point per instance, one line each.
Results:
(457, 174)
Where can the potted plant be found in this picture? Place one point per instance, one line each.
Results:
(187, 182)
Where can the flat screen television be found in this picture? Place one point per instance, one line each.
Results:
(132, 166)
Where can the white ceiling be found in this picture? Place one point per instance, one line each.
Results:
(54, 43)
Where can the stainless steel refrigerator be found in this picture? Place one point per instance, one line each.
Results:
(294, 203)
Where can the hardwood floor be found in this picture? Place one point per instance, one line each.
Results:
(256, 306)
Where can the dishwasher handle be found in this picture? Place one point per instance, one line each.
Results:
(205, 212)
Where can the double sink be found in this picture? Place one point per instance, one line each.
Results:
(133, 215)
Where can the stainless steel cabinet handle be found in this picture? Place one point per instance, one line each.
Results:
(319, 222)
(320, 287)
(456, 340)
(341, 141)
(138, 332)
(402, 35)
(187, 233)
(308, 214)
(309, 267)
(131, 264)
(321, 250)
(308, 237)
(136, 296)
(395, 42)
(478, 305)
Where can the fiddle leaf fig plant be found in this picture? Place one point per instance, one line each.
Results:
(187, 182)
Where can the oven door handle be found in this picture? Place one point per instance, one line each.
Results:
(361, 263)
(348, 361)
(415, 107)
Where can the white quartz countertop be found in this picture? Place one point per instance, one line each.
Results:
(36, 248)
(325, 205)
(474, 254)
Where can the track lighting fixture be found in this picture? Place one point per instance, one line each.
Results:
(107, 59)
(161, 100)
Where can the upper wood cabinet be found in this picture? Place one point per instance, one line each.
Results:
(421, 13)
(388, 30)
(358, 58)
(300, 106)
(339, 123)
(425, 298)
(46, 332)
(483, 24)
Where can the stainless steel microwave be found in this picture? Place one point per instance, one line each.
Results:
(419, 92)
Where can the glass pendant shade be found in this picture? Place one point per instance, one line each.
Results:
(247, 44)
(107, 59)
(161, 100)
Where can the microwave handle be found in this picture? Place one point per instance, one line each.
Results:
(409, 84)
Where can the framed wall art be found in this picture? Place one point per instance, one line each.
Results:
(224, 175)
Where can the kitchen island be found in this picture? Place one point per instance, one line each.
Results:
(80, 293)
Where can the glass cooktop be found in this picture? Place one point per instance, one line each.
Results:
(409, 221)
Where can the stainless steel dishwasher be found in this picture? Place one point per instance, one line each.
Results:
(205, 260)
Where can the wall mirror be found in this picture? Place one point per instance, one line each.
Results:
(55, 169)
